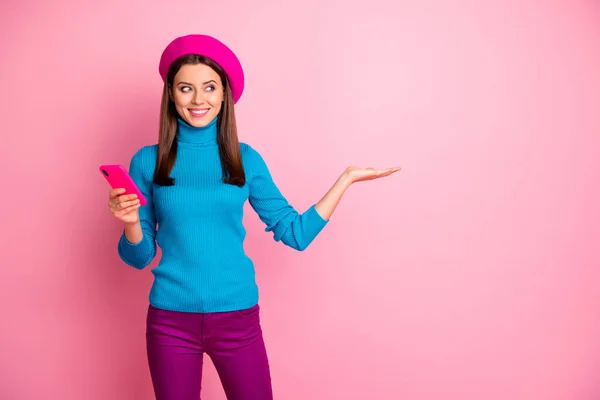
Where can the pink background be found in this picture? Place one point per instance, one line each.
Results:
(472, 274)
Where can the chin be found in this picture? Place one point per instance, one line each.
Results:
(196, 122)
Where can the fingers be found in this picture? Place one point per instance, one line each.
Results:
(386, 172)
(122, 205)
(114, 193)
(126, 211)
(127, 204)
(127, 197)
(118, 193)
(120, 202)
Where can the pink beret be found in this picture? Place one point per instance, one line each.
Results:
(209, 47)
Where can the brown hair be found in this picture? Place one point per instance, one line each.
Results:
(227, 139)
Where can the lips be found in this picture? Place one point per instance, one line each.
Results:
(198, 112)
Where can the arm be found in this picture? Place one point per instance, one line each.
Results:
(288, 226)
(137, 245)
(133, 232)
(293, 229)
(327, 205)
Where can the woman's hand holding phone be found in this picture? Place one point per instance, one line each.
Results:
(124, 207)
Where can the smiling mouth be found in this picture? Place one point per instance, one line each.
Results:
(198, 112)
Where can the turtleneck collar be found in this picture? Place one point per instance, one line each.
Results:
(191, 136)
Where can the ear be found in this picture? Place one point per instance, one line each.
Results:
(171, 93)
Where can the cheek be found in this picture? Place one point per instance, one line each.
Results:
(215, 99)
(182, 99)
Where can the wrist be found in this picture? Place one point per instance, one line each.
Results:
(345, 180)
(129, 225)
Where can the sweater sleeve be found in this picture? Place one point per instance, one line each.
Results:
(139, 255)
(288, 226)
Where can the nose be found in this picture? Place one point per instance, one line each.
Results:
(198, 97)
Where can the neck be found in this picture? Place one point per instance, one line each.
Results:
(188, 135)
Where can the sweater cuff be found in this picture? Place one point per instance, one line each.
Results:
(136, 255)
(314, 223)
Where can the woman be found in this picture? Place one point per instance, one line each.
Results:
(204, 298)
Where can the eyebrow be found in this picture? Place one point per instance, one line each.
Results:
(204, 83)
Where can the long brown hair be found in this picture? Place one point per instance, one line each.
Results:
(227, 138)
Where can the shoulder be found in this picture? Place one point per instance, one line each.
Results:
(245, 148)
(146, 152)
(253, 161)
(249, 153)
(144, 160)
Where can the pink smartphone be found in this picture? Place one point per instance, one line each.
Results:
(118, 177)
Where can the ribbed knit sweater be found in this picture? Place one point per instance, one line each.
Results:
(204, 267)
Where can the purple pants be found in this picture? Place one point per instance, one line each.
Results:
(177, 341)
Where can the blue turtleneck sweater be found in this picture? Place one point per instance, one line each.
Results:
(203, 267)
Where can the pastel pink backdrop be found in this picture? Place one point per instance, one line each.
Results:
(472, 274)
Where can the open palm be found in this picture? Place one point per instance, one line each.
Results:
(357, 174)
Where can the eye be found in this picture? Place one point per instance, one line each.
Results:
(185, 89)
(210, 88)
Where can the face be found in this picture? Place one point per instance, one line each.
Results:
(197, 92)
